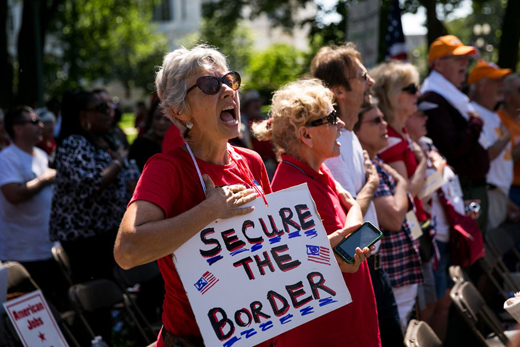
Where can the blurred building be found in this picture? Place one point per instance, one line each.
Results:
(417, 52)
(179, 18)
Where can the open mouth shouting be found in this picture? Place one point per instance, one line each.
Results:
(229, 115)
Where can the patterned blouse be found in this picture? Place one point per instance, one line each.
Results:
(79, 209)
(399, 251)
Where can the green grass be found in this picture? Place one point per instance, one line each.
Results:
(127, 124)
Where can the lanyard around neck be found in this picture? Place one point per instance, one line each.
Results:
(246, 173)
(197, 167)
(237, 159)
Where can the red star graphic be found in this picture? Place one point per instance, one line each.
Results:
(41, 336)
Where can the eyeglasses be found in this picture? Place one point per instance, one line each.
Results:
(412, 88)
(332, 118)
(101, 108)
(364, 76)
(33, 121)
(378, 120)
(210, 85)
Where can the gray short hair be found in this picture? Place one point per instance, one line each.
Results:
(508, 80)
(177, 67)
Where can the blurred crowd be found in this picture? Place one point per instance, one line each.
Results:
(68, 173)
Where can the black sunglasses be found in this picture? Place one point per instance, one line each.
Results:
(412, 88)
(332, 118)
(101, 108)
(33, 121)
(378, 120)
(210, 85)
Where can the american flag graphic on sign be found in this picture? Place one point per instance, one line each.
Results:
(204, 283)
(318, 254)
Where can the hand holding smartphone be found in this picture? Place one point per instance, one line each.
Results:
(365, 236)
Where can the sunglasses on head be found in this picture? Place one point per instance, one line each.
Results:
(412, 88)
(210, 85)
(101, 108)
(33, 121)
(332, 118)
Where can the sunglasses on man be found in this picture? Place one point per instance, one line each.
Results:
(364, 76)
(210, 85)
(33, 121)
(412, 89)
(332, 118)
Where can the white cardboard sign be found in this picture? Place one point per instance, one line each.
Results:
(433, 182)
(253, 277)
(33, 321)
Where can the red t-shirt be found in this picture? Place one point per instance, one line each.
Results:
(48, 145)
(356, 323)
(172, 139)
(170, 181)
(398, 149)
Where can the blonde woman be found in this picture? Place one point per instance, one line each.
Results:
(304, 128)
(397, 88)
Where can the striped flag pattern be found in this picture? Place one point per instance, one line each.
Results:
(318, 254)
(205, 283)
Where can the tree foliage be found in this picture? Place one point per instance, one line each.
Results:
(66, 44)
(510, 36)
(272, 68)
(104, 39)
(236, 44)
(481, 28)
(490, 29)
(282, 13)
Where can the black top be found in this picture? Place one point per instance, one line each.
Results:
(457, 139)
(142, 149)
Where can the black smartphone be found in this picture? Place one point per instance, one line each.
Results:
(365, 236)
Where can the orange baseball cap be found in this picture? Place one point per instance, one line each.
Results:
(484, 69)
(446, 45)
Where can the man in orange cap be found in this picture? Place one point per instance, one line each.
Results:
(510, 115)
(486, 81)
(454, 126)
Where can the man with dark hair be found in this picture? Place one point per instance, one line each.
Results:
(25, 200)
(341, 69)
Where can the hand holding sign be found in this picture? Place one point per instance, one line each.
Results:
(253, 277)
(225, 202)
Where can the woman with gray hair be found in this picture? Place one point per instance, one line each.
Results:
(304, 129)
(185, 189)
